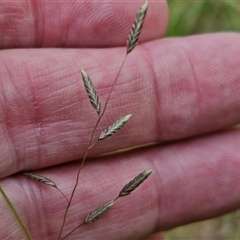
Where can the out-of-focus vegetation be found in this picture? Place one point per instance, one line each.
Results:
(201, 16)
(226, 227)
(196, 17)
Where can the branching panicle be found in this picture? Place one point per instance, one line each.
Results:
(131, 43)
(112, 129)
(124, 192)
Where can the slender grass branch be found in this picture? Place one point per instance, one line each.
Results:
(126, 190)
(89, 146)
(73, 230)
(131, 43)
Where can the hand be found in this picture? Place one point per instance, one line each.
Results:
(182, 92)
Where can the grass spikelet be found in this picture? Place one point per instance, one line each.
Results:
(92, 94)
(136, 28)
(43, 180)
(98, 212)
(133, 184)
(114, 127)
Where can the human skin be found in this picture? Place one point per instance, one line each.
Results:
(183, 94)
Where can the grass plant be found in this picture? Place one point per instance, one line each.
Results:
(186, 18)
(111, 130)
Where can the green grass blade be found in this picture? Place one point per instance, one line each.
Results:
(14, 211)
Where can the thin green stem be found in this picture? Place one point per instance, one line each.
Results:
(89, 145)
(15, 213)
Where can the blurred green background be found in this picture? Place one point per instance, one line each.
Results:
(195, 17)
(201, 16)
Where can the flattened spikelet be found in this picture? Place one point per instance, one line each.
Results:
(133, 184)
(114, 127)
(44, 180)
(41, 179)
(98, 212)
(136, 28)
(92, 94)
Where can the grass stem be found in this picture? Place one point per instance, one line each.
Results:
(15, 213)
(89, 145)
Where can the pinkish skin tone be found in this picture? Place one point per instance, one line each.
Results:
(75, 23)
(175, 88)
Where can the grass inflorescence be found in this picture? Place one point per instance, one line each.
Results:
(94, 99)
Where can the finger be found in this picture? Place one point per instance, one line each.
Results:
(192, 180)
(76, 23)
(179, 88)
